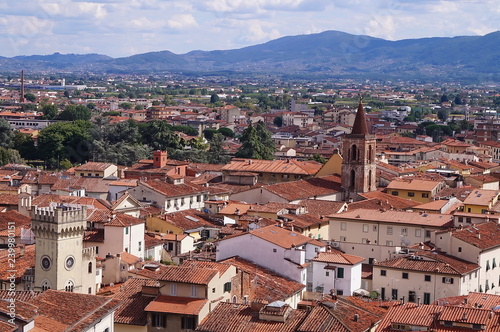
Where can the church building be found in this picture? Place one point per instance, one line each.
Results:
(358, 163)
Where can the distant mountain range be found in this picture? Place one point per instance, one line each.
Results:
(330, 54)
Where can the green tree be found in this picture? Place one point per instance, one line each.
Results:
(214, 98)
(444, 98)
(159, 135)
(30, 97)
(49, 111)
(6, 134)
(126, 106)
(253, 143)
(278, 121)
(443, 114)
(319, 158)
(65, 140)
(8, 156)
(209, 133)
(216, 153)
(265, 138)
(25, 145)
(75, 112)
(226, 132)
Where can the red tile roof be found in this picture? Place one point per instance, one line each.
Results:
(398, 217)
(483, 235)
(172, 190)
(241, 318)
(176, 305)
(432, 262)
(267, 285)
(281, 237)
(57, 309)
(124, 220)
(188, 275)
(338, 257)
(304, 189)
(289, 166)
(132, 302)
(93, 166)
(340, 316)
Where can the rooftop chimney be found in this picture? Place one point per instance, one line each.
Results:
(356, 317)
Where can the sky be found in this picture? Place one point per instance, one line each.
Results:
(120, 28)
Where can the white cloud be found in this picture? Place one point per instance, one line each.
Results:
(112, 26)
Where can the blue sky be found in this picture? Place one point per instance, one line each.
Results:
(124, 27)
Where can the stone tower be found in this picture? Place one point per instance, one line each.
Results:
(61, 261)
(358, 164)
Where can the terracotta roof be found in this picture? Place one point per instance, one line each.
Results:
(304, 189)
(303, 220)
(320, 207)
(409, 314)
(280, 236)
(96, 235)
(241, 318)
(339, 316)
(461, 193)
(132, 302)
(23, 310)
(124, 183)
(45, 200)
(176, 305)
(188, 275)
(23, 262)
(434, 316)
(14, 218)
(481, 197)
(187, 219)
(432, 262)
(338, 257)
(414, 184)
(93, 166)
(172, 190)
(129, 258)
(7, 327)
(395, 202)
(57, 309)
(289, 166)
(436, 205)
(124, 220)
(24, 295)
(222, 268)
(233, 208)
(483, 236)
(399, 217)
(9, 199)
(267, 285)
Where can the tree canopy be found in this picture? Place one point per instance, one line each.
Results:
(256, 143)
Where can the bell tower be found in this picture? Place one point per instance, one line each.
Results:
(358, 163)
(61, 262)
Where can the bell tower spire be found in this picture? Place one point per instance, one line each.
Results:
(358, 153)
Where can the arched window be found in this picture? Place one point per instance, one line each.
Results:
(235, 299)
(90, 267)
(354, 152)
(370, 179)
(370, 154)
(69, 286)
(352, 179)
(45, 285)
